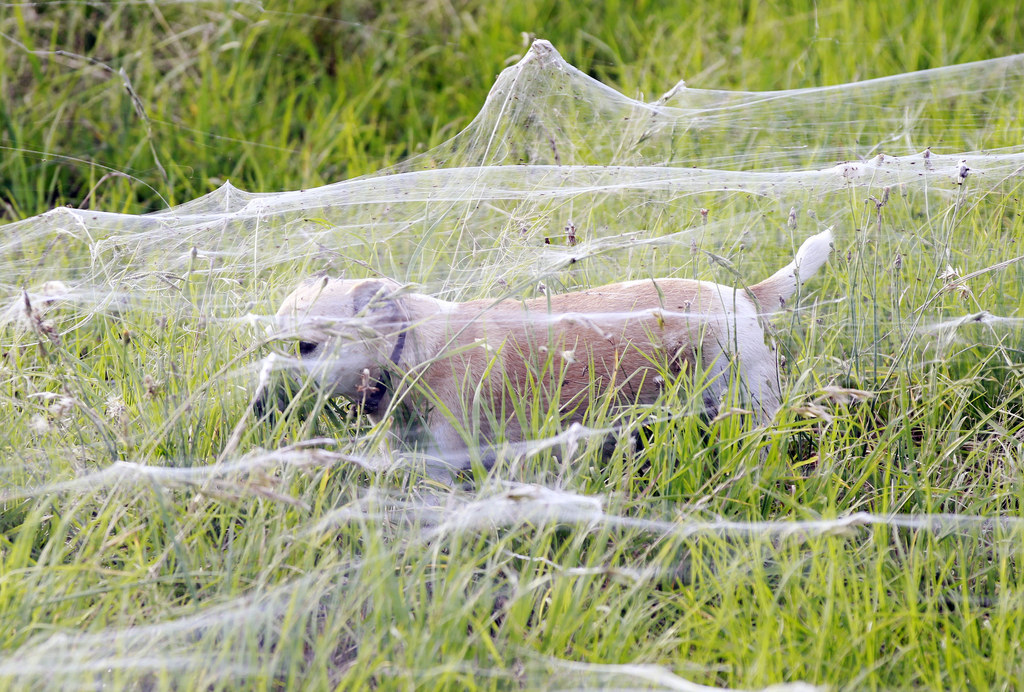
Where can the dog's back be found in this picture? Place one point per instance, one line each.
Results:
(619, 340)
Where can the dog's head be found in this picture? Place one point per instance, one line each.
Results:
(347, 333)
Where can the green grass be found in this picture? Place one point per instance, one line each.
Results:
(152, 536)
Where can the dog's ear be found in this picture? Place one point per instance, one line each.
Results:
(374, 294)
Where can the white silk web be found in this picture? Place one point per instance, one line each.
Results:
(552, 149)
(559, 183)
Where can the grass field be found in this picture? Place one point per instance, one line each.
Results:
(152, 535)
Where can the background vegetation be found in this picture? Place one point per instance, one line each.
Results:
(148, 539)
(173, 99)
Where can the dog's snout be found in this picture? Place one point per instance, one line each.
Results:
(269, 402)
(259, 404)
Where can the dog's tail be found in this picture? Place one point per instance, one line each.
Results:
(773, 292)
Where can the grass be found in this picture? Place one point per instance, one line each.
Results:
(151, 536)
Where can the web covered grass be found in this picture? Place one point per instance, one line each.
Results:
(154, 535)
(282, 100)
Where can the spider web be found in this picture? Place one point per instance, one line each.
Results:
(560, 182)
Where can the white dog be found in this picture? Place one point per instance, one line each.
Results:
(474, 363)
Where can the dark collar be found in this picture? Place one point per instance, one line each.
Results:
(383, 386)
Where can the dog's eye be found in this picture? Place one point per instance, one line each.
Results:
(306, 347)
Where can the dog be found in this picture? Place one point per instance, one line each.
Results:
(466, 366)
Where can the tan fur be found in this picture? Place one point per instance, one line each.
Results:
(473, 357)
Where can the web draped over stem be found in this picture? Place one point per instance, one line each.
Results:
(555, 156)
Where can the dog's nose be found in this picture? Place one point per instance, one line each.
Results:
(259, 404)
(268, 403)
